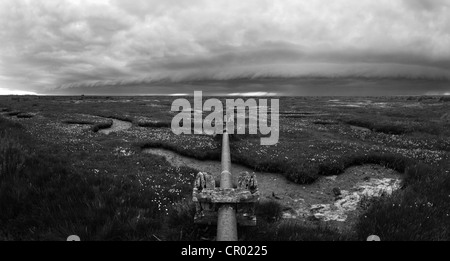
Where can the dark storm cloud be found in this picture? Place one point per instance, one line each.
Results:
(51, 45)
(426, 5)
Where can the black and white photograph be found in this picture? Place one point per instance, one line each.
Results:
(225, 120)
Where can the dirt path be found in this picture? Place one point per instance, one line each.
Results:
(333, 199)
(117, 125)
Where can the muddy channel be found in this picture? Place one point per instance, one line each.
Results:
(334, 199)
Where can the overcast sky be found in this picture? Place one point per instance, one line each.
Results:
(70, 46)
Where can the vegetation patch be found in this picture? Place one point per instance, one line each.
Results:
(43, 198)
(97, 123)
(445, 99)
(397, 127)
(102, 125)
(25, 115)
(325, 122)
(154, 124)
(205, 155)
(13, 113)
(117, 116)
(420, 211)
(73, 121)
(384, 127)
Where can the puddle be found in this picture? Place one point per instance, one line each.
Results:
(117, 125)
(318, 200)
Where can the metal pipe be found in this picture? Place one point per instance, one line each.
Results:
(225, 176)
(226, 221)
(227, 224)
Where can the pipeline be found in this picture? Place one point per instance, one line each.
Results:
(226, 220)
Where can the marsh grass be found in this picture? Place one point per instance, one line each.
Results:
(48, 198)
(201, 155)
(291, 230)
(325, 122)
(117, 116)
(95, 125)
(25, 115)
(270, 211)
(82, 122)
(398, 123)
(13, 113)
(43, 198)
(154, 124)
(392, 161)
(420, 211)
(384, 127)
(102, 125)
(445, 99)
